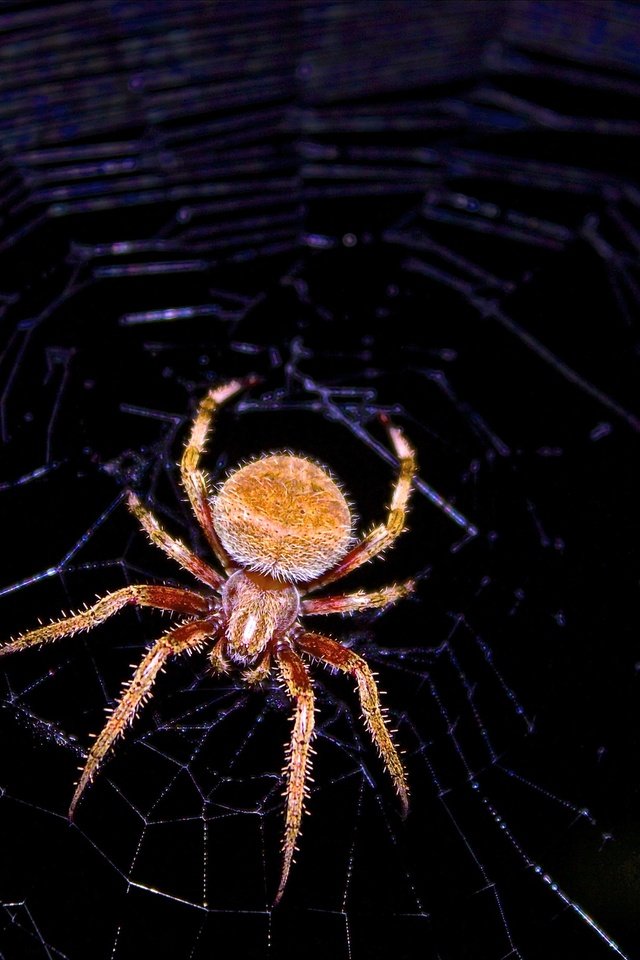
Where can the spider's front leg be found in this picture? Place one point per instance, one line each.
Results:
(187, 637)
(296, 678)
(335, 655)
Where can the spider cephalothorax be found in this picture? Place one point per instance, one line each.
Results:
(281, 528)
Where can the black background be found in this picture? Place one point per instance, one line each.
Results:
(425, 209)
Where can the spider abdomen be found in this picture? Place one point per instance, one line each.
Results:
(256, 608)
(283, 516)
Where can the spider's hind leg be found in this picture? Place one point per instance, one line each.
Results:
(195, 480)
(382, 536)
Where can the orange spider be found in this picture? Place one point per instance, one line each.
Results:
(281, 528)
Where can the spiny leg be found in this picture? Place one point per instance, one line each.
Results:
(144, 595)
(188, 636)
(333, 653)
(296, 678)
(174, 548)
(194, 480)
(351, 602)
(383, 535)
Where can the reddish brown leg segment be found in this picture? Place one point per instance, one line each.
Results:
(189, 636)
(174, 548)
(164, 598)
(383, 535)
(296, 678)
(333, 653)
(194, 480)
(351, 602)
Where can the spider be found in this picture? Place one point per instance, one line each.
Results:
(280, 528)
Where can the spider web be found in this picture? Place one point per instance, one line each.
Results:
(429, 211)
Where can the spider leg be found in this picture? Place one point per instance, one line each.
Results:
(173, 548)
(333, 653)
(188, 636)
(296, 678)
(194, 480)
(145, 595)
(351, 602)
(383, 535)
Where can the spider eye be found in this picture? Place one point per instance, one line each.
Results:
(284, 516)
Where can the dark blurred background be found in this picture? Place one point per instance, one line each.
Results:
(428, 209)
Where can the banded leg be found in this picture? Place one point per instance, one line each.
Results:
(383, 535)
(173, 548)
(333, 653)
(145, 595)
(194, 480)
(352, 602)
(296, 678)
(188, 636)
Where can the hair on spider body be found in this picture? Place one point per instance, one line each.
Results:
(281, 528)
(283, 515)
